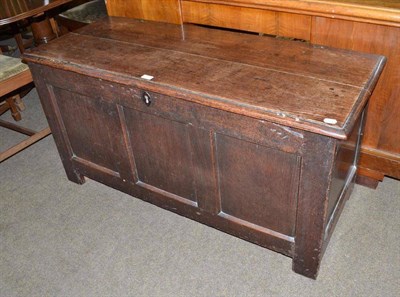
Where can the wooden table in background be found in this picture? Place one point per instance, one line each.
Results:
(13, 11)
(370, 26)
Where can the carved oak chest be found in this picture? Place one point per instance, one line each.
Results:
(255, 136)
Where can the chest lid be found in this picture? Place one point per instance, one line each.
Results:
(313, 88)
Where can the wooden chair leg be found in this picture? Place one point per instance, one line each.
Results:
(55, 27)
(20, 42)
(23, 43)
(14, 110)
(19, 103)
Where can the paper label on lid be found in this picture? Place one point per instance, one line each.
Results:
(330, 121)
(146, 76)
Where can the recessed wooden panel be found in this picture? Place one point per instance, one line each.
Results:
(162, 152)
(241, 18)
(265, 195)
(345, 159)
(247, 19)
(385, 12)
(92, 127)
(156, 10)
(294, 25)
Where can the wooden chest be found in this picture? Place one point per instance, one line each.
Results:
(254, 136)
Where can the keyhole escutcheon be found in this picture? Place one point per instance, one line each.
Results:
(146, 98)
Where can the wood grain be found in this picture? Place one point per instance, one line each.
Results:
(99, 142)
(158, 10)
(241, 18)
(247, 19)
(310, 97)
(274, 188)
(311, 212)
(294, 25)
(172, 155)
(384, 12)
(308, 60)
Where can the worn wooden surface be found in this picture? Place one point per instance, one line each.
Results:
(229, 132)
(365, 25)
(299, 86)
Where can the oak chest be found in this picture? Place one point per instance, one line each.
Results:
(254, 136)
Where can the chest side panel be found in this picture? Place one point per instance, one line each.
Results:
(257, 184)
(163, 153)
(92, 128)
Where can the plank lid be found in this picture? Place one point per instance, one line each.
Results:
(313, 88)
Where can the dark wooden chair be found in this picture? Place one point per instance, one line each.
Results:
(14, 76)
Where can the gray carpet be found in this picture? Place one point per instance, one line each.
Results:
(61, 239)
